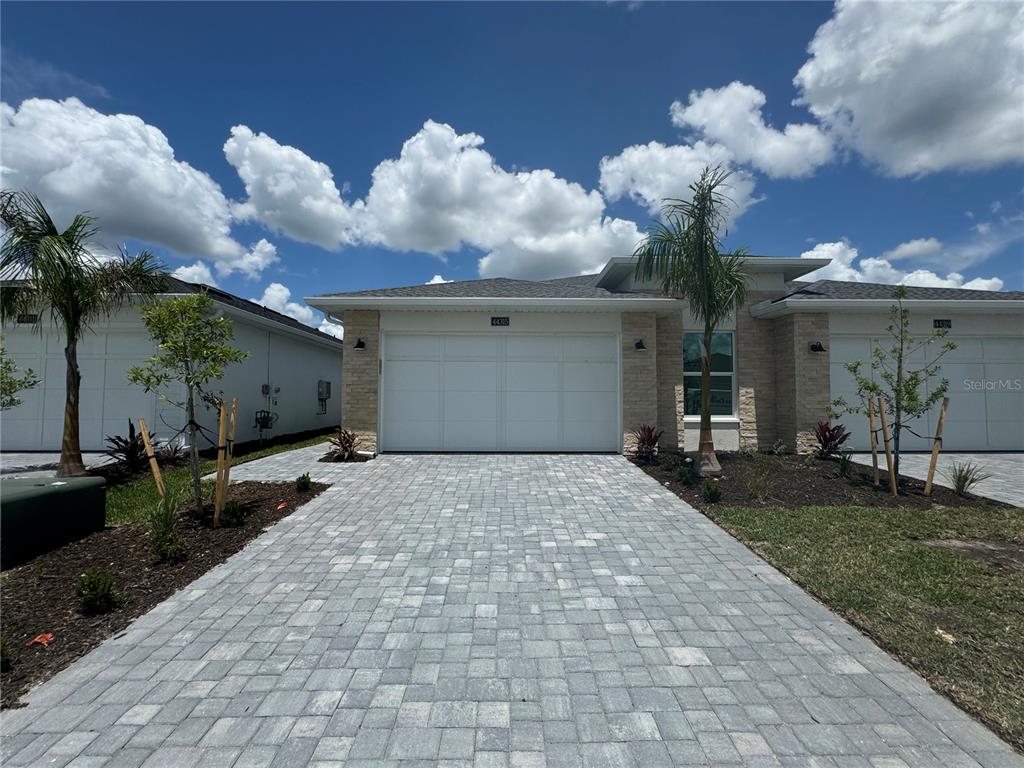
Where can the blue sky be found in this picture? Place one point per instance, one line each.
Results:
(538, 137)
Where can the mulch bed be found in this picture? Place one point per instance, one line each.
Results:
(39, 596)
(789, 481)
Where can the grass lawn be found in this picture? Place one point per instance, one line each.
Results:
(957, 620)
(130, 502)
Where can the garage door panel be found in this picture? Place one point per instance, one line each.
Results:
(589, 406)
(1005, 349)
(532, 377)
(476, 435)
(1000, 406)
(850, 349)
(533, 348)
(470, 405)
(468, 376)
(529, 406)
(470, 348)
(532, 435)
(412, 435)
(411, 375)
(967, 351)
(590, 348)
(413, 347)
(589, 377)
(412, 405)
(965, 435)
(964, 406)
(133, 403)
(1006, 435)
(588, 436)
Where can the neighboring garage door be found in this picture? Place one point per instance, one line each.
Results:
(107, 399)
(986, 404)
(529, 392)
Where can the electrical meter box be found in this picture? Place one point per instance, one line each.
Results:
(323, 390)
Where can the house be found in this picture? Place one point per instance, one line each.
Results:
(293, 372)
(575, 364)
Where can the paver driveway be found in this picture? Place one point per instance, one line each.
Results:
(491, 611)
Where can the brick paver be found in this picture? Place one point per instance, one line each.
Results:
(1004, 471)
(491, 611)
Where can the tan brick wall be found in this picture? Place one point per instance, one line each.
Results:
(669, 365)
(755, 371)
(639, 374)
(801, 378)
(359, 376)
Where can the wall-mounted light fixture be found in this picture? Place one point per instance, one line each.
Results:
(639, 346)
(817, 346)
(360, 344)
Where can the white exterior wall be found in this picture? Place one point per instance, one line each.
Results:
(282, 358)
(985, 372)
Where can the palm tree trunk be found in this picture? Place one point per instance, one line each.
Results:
(197, 487)
(71, 463)
(707, 461)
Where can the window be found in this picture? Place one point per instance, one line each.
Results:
(722, 373)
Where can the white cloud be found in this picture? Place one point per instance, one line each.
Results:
(732, 116)
(437, 280)
(195, 273)
(119, 168)
(278, 298)
(914, 249)
(251, 263)
(880, 270)
(331, 329)
(288, 191)
(650, 173)
(920, 87)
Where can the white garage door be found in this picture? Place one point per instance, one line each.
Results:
(986, 403)
(107, 399)
(529, 392)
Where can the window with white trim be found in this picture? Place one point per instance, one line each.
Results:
(723, 373)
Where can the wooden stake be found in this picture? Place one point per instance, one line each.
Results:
(153, 466)
(874, 440)
(218, 503)
(230, 446)
(936, 447)
(888, 449)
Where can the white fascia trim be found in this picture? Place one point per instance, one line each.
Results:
(332, 304)
(721, 420)
(259, 320)
(790, 267)
(768, 309)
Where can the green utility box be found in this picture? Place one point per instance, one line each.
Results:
(38, 514)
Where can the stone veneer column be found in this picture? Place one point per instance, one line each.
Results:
(801, 378)
(755, 371)
(360, 374)
(669, 366)
(639, 374)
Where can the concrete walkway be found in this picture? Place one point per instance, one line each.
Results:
(514, 611)
(1006, 483)
(43, 463)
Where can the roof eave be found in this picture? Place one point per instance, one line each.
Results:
(769, 309)
(619, 267)
(336, 304)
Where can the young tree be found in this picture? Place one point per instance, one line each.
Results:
(192, 350)
(49, 270)
(10, 382)
(890, 377)
(682, 252)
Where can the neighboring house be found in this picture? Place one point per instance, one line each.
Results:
(575, 364)
(293, 371)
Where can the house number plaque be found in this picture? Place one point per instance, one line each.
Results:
(503, 321)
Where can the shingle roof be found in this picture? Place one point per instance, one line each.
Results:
(174, 285)
(503, 288)
(838, 289)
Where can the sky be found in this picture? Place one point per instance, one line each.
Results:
(285, 150)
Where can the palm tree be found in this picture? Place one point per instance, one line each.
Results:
(682, 252)
(45, 269)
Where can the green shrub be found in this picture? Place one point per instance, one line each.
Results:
(759, 480)
(344, 446)
(95, 592)
(964, 475)
(165, 540)
(6, 657)
(684, 475)
(303, 483)
(232, 514)
(711, 491)
(779, 448)
(645, 439)
(845, 464)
